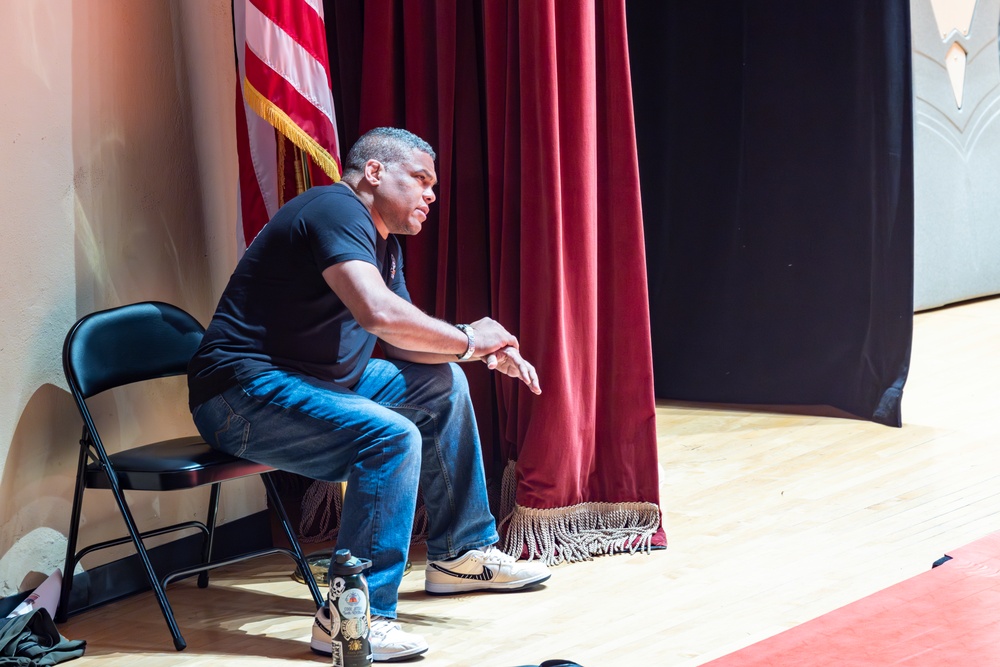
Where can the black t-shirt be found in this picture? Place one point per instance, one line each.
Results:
(277, 310)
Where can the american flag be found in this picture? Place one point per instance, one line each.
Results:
(283, 94)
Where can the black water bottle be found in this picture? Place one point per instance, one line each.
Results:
(350, 612)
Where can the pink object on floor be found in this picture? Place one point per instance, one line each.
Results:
(949, 615)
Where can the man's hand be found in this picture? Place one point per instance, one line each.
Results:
(508, 360)
(491, 336)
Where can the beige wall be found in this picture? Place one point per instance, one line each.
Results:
(118, 185)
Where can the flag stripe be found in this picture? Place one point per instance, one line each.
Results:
(305, 27)
(281, 53)
(294, 104)
(257, 177)
(317, 6)
(317, 126)
(255, 136)
(284, 86)
(263, 148)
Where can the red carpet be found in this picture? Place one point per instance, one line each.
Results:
(949, 615)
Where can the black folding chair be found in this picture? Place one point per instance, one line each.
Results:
(135, 343)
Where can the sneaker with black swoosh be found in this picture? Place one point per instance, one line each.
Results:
(488, 569)
(388, 641)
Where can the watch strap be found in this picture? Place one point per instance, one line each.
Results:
(471, 333)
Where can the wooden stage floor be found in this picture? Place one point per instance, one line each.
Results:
(774, 518)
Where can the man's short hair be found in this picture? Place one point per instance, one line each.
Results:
(388, 145)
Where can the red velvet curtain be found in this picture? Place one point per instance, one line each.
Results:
(423, 75)
(538, 223)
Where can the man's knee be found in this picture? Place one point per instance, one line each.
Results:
(458, 379)
(448, 379)
(399, 436)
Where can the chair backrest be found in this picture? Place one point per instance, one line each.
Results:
(141, 341)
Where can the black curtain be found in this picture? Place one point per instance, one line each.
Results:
(776, 161)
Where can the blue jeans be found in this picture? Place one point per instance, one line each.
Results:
(403, 424)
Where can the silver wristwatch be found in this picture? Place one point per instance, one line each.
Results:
(471, 333)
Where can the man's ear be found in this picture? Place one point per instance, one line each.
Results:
(373, 172)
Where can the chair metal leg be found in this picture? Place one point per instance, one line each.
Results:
(293, 541)
(62, 612)
(154, 582)
(213, 512)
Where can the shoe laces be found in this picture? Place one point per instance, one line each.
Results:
(382, 626)
(495, 555)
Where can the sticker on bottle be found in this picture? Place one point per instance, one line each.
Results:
(334, 624)
(356, 628)
(353, 603)
(337, 587)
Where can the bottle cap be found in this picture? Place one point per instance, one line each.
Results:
(345, 563)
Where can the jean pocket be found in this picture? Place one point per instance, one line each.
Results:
(233, 432)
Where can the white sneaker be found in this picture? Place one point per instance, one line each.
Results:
(321, 641)
(483, 570)
(388, 641)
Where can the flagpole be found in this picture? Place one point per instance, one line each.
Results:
(304, 163)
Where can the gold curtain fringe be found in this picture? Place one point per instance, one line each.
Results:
(508, 491)
(321, 505)
(563, 534)
(421, 524)
(267, 110)
(576, 533)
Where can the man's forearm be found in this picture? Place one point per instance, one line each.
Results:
(387, 315)
(407, 331)
(401, 324)
(393, 352)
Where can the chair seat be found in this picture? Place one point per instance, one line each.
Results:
(180, 463)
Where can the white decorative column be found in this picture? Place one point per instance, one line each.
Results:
(956, 84)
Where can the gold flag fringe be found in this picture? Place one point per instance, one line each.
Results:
(574, 533)
(284, 124)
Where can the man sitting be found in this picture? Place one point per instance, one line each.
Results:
(285, 377)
